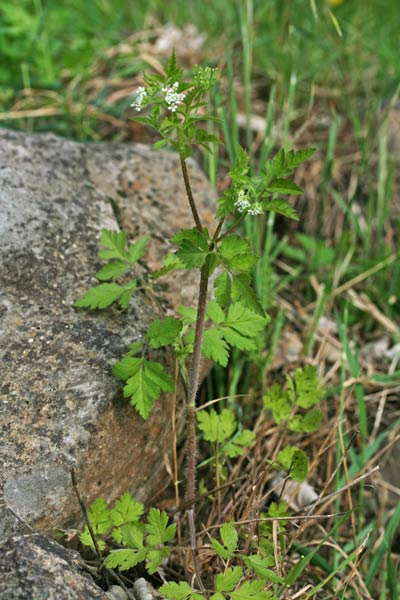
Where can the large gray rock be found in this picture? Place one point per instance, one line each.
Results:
(34, 567)
(60, 406)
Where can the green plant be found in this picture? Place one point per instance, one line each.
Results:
(236, 318)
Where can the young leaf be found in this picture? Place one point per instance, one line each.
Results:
(306, 423)
(260, 567)
(307, 390)
(104, 295)
(251, 590)
(164, 332)
(193, 247)
(100, 520)
(170, 263)
(126, 510)
(294, 461)
(235, 447)
(159, 532)
(277, 401)
(227, 581)
(216, 427)
(179, 591)
(229, 538)
(124, 558)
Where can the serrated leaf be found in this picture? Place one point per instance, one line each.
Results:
(188, 313)
(179, 591)
(229, 536)
(132, 535)
(145, 386)
(216, 427)
(260, 567)
(138, 249)
(295, 158)
(170, 263)
(306, 423)
(277, 401)
(227, 581)
(193, 247)
(86, 539)
(284, 186)
(221, 550)
(243, 321)
(126, 367)
(232, 245)
(242, 292)
(115, 242)
(159, 532)
(282, 207)
(215, 347)
(154, 559)
(294, 461)
(164, 332)
(222, 286)
(251, 590)
(236, 446)
(215, 312)
(308, 391)
(126, 510)
(124, 559)
(112, 270)
(99, 516)
(103, 295)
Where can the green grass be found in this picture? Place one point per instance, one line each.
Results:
(298, 59)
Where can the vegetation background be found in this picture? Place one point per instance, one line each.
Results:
(294, 73)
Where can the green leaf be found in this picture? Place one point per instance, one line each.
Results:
(170, 263)
(131, 535)
(227, 581)
(306, 423)
(126, 367)
(179, 591)
(193, 247)
(164, 332)
(138, 249)
(124, 559)
(295, 158)
(215, 347)
(86, 540)
(284, 186)
(308, 391)
(236, 446)
(242, 292)
(154, 559)
(188, 313)
(112, 270)
(216, 427)
(277, 401)
(104, 295)
(260, 567)
(282, 207)
(251, 590)
(145, 385)
(115, 241)
(222, 286)
(232, 245)
(100, 520)
(215, 312)
(126, 510)
(159, 532)
(242, 326)
(294, 461)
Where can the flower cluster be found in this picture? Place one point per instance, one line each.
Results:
(172, 97)
(139, 98)
(242, 204)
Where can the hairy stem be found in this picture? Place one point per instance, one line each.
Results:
(189, 194)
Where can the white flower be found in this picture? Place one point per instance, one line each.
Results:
(241, 203)
(139, 98)
(172, 97)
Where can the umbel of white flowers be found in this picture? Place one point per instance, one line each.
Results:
(172, 97)
(242, 204)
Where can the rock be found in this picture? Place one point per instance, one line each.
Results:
(60, 405)
(34, 567)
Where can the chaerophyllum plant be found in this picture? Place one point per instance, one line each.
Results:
(176, 109)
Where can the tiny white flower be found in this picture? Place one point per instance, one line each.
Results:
(241, 203)
(173, 98)
(139, 98)
(256, 209)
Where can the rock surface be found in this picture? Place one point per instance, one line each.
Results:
(34, 567)
(60, 406)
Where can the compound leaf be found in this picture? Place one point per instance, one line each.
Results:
(226, 582)
(216, 427)
(146, 384)
(179, 591)
(164, 332)
(112, 270)
(105, 294)
(124, 558)
(126, 510)
(193, 247)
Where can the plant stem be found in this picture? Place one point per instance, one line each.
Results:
(189, 194)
